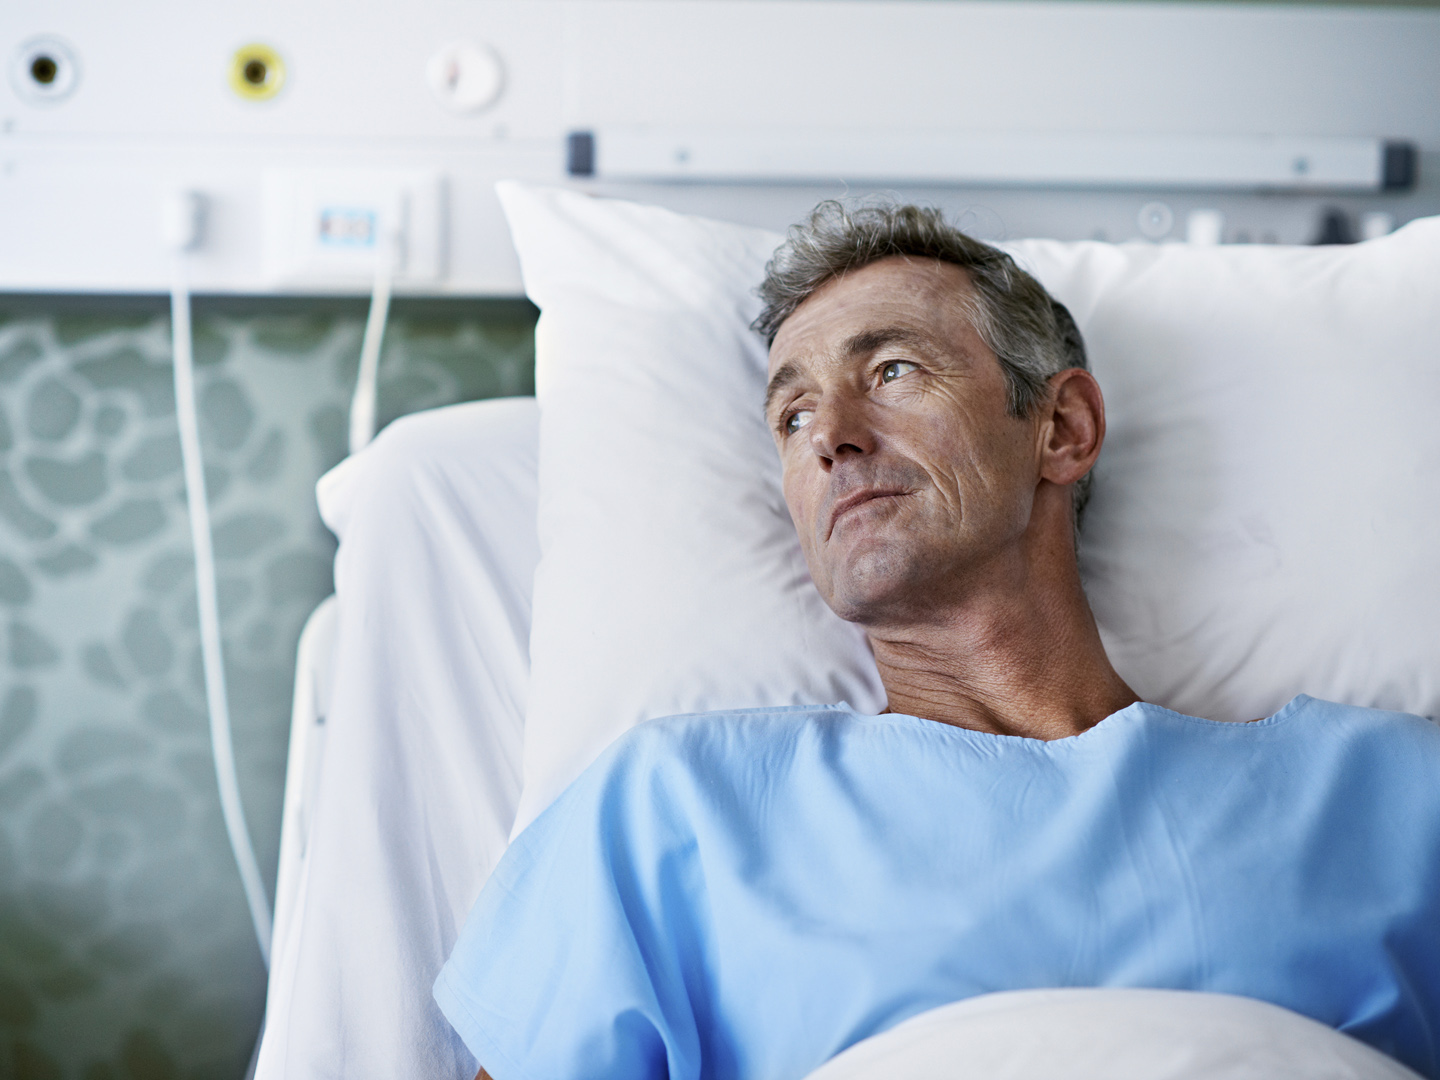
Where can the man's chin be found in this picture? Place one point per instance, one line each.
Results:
(873, 598)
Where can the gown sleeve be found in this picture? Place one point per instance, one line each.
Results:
(580, 957)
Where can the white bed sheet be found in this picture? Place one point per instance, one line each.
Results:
(420, 776)
(1111, 1034)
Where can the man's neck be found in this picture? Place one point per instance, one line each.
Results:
(1022, 661)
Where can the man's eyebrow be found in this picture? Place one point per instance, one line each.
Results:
(869, 341)
(861, 344)
(786, 375)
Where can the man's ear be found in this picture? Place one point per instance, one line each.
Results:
(1072, 427)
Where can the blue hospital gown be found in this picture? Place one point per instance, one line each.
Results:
(746, 894)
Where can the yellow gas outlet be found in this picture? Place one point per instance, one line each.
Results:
(257, 72)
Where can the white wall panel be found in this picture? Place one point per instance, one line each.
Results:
(1021, 66)
(80, 180)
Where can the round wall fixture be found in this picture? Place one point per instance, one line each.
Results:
(466, 77)
(44, 70)
(1155, 220)
(256, 72)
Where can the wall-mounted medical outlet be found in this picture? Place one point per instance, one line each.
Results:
(257, 72)
(331, 227)
(44, 70)
(466, 77)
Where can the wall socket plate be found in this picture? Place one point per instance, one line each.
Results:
(329, 227)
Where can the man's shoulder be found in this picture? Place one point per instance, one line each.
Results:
(1397, 746)
(709, 737)
(670, 753)
(673, 771)
(1359, 720)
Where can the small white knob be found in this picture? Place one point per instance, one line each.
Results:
(1204, 228)
(1375, 224)
(182, 216)
(466, 77)
(1155, 220)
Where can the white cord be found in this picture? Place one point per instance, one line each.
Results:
(221, 744)
(363, 404)
(180, 230)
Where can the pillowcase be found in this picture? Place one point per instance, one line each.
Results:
(670, 577)
(1260, 520)
(1266, 504)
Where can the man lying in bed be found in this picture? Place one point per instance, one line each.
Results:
(746, 894)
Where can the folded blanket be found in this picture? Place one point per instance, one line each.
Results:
(1111, 1035)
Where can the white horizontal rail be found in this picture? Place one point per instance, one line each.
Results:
(1210, 162)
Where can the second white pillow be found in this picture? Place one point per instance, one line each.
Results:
(671, 579)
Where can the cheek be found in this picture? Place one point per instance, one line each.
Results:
(793, 488)
(1006, 475)
(802, 497)
(980, 464)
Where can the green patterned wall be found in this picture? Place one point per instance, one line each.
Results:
(125, 947)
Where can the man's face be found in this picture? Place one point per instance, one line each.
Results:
(907, 477)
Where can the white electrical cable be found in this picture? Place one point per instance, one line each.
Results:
(363, 404)
(181, 236)
(180, 229)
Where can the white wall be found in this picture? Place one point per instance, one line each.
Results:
(80, 180)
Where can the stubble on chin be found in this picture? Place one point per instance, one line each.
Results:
(881, 584)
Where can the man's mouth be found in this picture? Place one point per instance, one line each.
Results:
(857, 499)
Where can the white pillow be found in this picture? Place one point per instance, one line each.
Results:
(1111, 1034)
(1260, 525)
(1267, 503)
(670, 577)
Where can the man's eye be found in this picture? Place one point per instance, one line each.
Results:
(895, 369)
(796, 420)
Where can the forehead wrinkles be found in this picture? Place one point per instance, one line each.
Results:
(934, 299)
(926, 304)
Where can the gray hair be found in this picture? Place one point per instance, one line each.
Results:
(1029, 331)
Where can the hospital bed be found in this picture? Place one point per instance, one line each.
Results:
(405, 769)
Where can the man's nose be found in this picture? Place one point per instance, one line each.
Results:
(841, 428)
